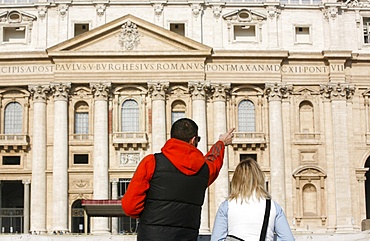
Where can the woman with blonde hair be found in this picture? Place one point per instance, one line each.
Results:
(249, 214)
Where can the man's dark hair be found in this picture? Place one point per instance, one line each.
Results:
(184, 129)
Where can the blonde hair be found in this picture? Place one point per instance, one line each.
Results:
(248, 180)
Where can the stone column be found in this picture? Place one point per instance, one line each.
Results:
(198, 96)
(220, 92)
(60, 158)
(158, 91)
(26, 204)
(114, 197)
(101, 93)
(38, 187)
(275, 93)
(339, 94)
(328, 132)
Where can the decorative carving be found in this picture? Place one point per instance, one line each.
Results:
(158, 90)
(158, 9)
(16, 17)
(278, 91)
(197, 9)
(42, 10)
(100, 9)
(217, 10)
(100, 90)
(273, 12)
(61, 91)
(39, 92)
(220, 91)
(357, 3)
(63, 8)
(337, 91)
(330, 12)
(129, 36)
(129, 159)
(80, 183)
(198, 90)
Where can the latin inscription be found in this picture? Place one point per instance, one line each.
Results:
(132, 67)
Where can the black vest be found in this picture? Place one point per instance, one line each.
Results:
(173, 203)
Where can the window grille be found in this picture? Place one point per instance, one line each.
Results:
(246, 116)
(13, 118)
(130, 116)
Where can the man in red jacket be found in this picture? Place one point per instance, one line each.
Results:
(168, 188)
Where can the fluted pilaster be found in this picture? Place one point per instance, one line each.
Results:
(275, 93)
(339, 94)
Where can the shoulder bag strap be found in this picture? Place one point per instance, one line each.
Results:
(265, 220)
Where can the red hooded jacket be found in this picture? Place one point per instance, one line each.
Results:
(185, 157)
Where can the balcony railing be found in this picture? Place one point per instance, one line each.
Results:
(249, 140)
(130, 139)
(312, 138)
(81, 139)
(14, 141)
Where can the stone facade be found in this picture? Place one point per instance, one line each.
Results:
(291, 76)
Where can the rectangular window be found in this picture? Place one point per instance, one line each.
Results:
(80, 28)
(11, 160)
(302, 35)
(80, 159)
(251, 155)
(126, 225)
(14, 34)
(246, 33)
(178, 28)
(366, 30)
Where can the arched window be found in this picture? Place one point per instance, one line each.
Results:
(130, 116)
(177, 110)
(306, 117)
(81, 118)
(309, 200)
(246, 116)
(13, 118)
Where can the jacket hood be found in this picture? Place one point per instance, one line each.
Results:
(185, 157)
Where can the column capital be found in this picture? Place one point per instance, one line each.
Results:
(114, 180)
(277, 91)
(26, 181)
(61, 91)
(158, 90)
(220, 91)
(337, 91)
(198, 89)
(100, 91)
(39, 92)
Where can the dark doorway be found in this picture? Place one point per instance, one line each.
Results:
(12, 204)
(367, 189)
(78, 218)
